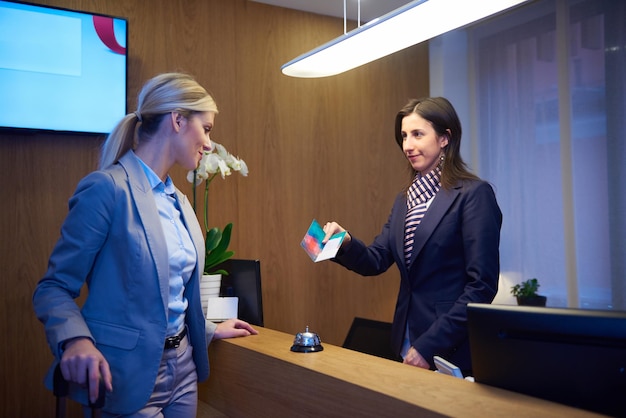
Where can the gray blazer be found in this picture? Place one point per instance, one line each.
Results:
(112, 240)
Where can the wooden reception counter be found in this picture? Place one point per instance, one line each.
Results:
(259, 376)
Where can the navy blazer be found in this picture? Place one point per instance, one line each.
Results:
(455, 260)
(112, 239)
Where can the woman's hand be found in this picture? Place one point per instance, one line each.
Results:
(232, 328)
(81, 362)
(415, 359)
(332, 228)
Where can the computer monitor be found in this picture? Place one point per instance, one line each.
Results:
(370, 336)
(244, 281)
(572, 356)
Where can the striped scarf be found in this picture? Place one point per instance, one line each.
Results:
(421, 191)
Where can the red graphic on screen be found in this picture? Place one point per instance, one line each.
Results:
(104, 29)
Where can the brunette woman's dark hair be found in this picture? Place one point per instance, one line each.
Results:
(444, 119)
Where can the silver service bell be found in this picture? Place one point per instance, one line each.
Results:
(307, 342)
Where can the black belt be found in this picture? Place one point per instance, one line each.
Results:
(174, 342)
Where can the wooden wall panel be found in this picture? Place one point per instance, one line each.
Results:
(316, 148)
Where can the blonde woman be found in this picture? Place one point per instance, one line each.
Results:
(135, 240)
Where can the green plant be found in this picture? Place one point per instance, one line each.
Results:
(217, 252)
(214, 162)
(526, 289)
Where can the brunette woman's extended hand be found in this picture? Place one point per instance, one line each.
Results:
(82, 361)
(331, 228)
(233, 328)
(414, 358)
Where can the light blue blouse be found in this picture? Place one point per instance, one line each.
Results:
(180, 248)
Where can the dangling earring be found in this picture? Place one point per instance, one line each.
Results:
(442, 158)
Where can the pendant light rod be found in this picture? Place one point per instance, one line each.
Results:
(406, 26)
(345, 15)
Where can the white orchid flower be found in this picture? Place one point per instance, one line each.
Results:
(224, 169)
(218, 160)
(240, 165)
(190, 178)
(209, 164)
(221, 151)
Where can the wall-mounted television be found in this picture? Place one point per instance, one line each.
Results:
(61, 70)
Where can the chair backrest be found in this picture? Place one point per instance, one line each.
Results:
(371, 337)
(244, 281)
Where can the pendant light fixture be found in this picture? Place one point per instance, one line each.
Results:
(408, 25)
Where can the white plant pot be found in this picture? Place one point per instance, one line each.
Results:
(209, 288)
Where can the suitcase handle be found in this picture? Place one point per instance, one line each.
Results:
(61, 388)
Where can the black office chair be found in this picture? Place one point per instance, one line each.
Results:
(244, 281)
(370, 337)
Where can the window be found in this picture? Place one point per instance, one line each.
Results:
(544, 110)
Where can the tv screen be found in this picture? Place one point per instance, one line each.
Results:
(572, 356)
(61, 70)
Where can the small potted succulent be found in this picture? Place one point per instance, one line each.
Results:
(526, 293)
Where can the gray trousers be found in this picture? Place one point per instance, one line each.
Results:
(175, 392)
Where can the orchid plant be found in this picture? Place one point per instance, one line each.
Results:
(214, 162)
